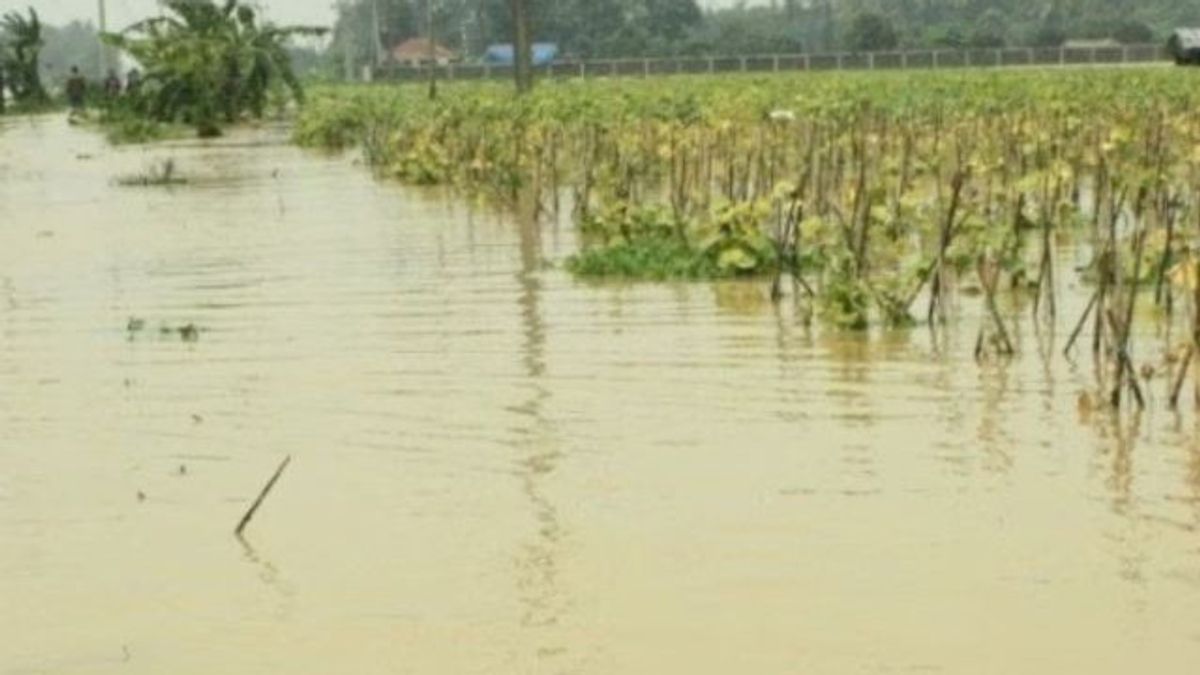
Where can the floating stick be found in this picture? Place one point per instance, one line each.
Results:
(1183, 371)
(1082, 320)
(261, 496)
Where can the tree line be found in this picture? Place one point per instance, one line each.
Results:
(366, 29)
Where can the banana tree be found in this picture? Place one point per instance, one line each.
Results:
(208, 64)
(20, 47)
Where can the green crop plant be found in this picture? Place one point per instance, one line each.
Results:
(871, 193)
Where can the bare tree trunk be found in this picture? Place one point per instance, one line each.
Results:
(522, 46)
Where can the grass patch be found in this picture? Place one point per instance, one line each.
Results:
(123, 126)
(648, 259)
(126, 130)
(18, 108)
(651, 242)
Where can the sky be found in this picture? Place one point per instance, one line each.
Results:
(121, 13)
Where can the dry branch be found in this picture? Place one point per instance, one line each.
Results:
(261, 496)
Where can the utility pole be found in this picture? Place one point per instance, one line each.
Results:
(432, 54)
(481, 20)
(347, 53)
(377, 33)
(103, 21)
(522, 49)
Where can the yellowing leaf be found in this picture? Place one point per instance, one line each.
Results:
(736, 259)
(1184, 275)
(812, 227)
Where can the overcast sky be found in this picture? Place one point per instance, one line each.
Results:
(124, 12)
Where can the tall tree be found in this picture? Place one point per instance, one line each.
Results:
(871, 32)
(363, 27)
(591, 26)
(671, 19)
(207, 63)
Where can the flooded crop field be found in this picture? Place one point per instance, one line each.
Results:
(499, 469)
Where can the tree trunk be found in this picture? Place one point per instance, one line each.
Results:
(522, 46)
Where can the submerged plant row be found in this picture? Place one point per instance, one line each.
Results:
(864, 196)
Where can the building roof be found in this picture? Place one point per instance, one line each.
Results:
(1185, 39)
(1102, 43)
(417, 49)
(543, 53)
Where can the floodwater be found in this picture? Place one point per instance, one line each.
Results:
(499, 470)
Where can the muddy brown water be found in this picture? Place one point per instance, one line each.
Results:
(500, 470)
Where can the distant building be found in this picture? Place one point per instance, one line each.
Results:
(1104, 43)
(416, 52)
(1184, 45)
(544, 53)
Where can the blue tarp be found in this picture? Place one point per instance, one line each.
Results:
(544, 53)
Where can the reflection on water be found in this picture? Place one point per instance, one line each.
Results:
(500, 470)
(270, 576)
(538, 451)
(994, 423)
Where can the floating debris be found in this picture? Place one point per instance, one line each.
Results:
(781, 116)
(241, 527)
(160, 174)
(188, 332)
(1086, 403)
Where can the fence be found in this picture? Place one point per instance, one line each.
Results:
(774, 63)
